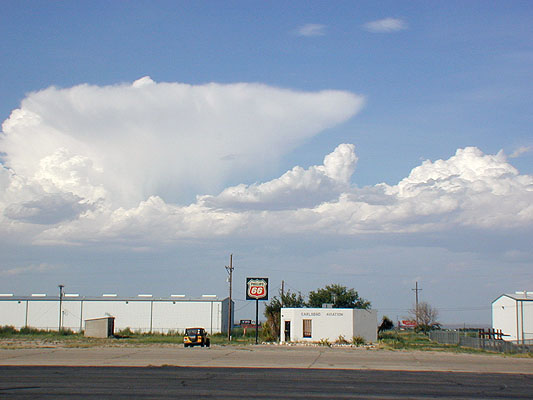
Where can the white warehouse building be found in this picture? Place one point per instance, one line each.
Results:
(316, 324)
(513, 315)
(142, 313)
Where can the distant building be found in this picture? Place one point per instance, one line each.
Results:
(513, 315)
(142, 313)
(316, 324)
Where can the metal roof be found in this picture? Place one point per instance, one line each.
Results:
(110, 299)
(519, 296)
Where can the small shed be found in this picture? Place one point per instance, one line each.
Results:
(316, 324)
(100, 327)
(513, 315)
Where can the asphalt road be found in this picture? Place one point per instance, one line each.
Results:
(255, 383)
(263, 372)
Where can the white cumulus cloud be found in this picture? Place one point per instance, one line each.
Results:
(296, 188)
(470, 189)
(386, 25)
(123, 143)
(108, 164)
(521, 151)
(310, 30)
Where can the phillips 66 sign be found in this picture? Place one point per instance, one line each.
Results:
(256, 288)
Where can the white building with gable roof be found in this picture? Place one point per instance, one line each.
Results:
(513, 315)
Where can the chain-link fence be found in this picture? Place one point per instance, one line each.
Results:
(459, 338)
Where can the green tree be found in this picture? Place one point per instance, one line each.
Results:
(338, 295)
(271, 328)
(386, 324)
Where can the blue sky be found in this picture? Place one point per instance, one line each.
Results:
(93, 197)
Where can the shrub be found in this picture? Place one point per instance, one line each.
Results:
(268, 332)
(7, 330)
(391, 336)
(126, 332)
(27, 330)
(341, 340)
(358, 340)
(426, 328)
(386, 325)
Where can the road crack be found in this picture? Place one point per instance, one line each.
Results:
(316, 359)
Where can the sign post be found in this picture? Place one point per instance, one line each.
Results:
(256, 289)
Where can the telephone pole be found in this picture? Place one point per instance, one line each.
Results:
(60, 304)
(230, 272)
(282, 292)
(416, 290)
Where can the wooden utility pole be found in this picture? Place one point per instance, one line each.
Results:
(60, 304)
(416, 290)
(282, 292)
(230, 272)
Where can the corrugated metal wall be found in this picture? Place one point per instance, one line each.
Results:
(144, 315)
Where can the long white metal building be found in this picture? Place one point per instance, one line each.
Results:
(142, 313)
(513, 315)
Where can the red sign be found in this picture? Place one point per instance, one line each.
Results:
(407, 324)
(257, 289)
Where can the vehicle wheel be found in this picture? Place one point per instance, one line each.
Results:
(202, 345)
(185, 345)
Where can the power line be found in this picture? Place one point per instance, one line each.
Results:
(293, 288)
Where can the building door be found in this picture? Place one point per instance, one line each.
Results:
(287, 331)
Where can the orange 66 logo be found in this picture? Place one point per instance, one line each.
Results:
(257, 288)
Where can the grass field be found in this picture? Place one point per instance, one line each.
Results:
(390, 340)
(409, 340)
(28, 337)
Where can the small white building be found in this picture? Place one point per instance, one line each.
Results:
(513, 315)
(142, 313)
(100, 327)
(316, 324)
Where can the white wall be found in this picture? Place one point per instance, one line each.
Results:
(504, 317)
(128, 313)
(43, 314)
(177, 316)
(528, 320)
(365, 324)
(138, 315)
(514, 317)
(326, 323)
(14, 313)
(72, 315)
(329, 324)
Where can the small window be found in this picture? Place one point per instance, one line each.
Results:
(307, 328)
